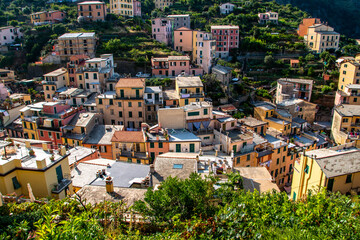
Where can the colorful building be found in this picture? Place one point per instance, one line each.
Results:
(268, 17)
(46, 171)
(173, 66)
(47, 17)
(227, 37)
(320, 38)
(203, 52)
(70, 44)
(190, 89)
(92, 11)
(129, 8)
(336, 169)
(162, 30)
(305, 24)
(183, 40)
(288, 88)
(53, 82)
(180, 21)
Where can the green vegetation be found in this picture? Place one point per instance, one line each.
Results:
(189, 209)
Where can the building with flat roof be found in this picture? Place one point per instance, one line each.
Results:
(128, 8)
(47, 172)
(92, 10)
(180, 20)
(190, 89)
(173, 66)
(227, 37)
(288, 88)
(268, 17)
(9, 34)
(47, 17)
(70, 44)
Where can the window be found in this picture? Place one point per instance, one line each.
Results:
(129, 104)
(160, 145)
(41, 133)
(178, 147)
(348, 178)
(345, 120)
(193, 114)
(151, 145)
(283, 158)
(95, 76)
(16, 183)
(59, 174)
(285, 149)
(100, 101)
(248, 157)
(238, 160)
(130, 114)
(277, 161)
(139, 104)
(57, 135)
(119, 104)
(111, 111)
(192, 147)
(120, 114)
(278, 150)
(177, 166)
(122, 93)
(306, 170)
(140, 114)
(205, 111)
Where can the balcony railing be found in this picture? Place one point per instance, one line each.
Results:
(58, 188)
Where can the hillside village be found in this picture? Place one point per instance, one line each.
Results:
(102, 100)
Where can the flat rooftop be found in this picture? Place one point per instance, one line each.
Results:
(252, 122)
(182, 135)
(189, 82)
(56, 73)
(76, 35)
(348, 110)
(297, 80)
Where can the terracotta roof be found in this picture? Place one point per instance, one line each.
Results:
(130, 82)
(183, 29)
(227, 107)
(128, 136)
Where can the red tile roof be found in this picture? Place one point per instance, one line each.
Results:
(128, 136)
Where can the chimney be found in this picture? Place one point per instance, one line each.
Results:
(62, 151)
(197, 159)
(152, 168)
(216, 153)
(41, 163)
(27, 144)
(45, 146)
(109, 185)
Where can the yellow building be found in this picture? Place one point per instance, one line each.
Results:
(349, 74)
(190, 90)
(129, 146)
(320, 38)
(346, 124)
(75, 132)
(337, 171)
(30, 119)
(47, 173)
(54, 81)
(266, 112)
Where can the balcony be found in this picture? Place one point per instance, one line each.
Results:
(58, 188)
(303, 90)
(161, 67)
(192, 95)
(153, 102)
(264, 151)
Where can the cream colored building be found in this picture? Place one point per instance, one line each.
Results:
(190, 90)
(129, 8)
(76, 44)
(161, 4)
(53, 81)
(320, 38)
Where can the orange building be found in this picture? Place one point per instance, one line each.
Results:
(92, 10)
(157, 142)
(306, 23)
(183, 40)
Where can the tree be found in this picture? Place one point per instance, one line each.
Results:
(175, 197)
(311, 71)
(269, 60)
(310, 57)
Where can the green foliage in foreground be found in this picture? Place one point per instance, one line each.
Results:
(188, 209)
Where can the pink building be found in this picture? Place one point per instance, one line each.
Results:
(76, 62)
(45, 17)
(92, 10)
(53, 116)
(204, 50)
(227, 37)
(289, 88)
(183, 40)
(162, 30)
(173, 66)
(350, 95)
(9, 34)
(137, 8)
(268, 17)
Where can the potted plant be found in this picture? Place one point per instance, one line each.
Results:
(51, 151)
(52, 158)
(32, 152)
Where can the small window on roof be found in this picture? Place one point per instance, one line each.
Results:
(177, 166)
